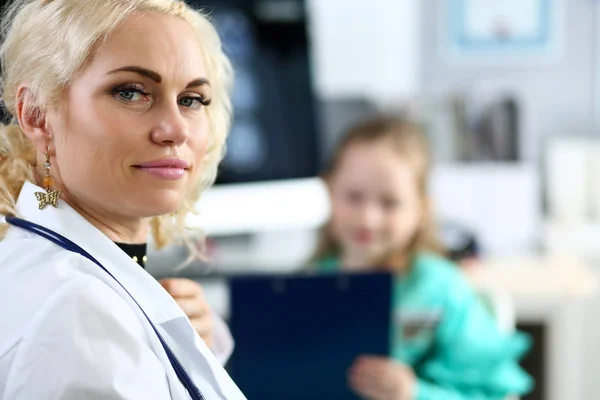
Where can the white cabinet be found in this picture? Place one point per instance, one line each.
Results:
(365, 48)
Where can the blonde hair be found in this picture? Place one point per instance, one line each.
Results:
(409, 142)
(46, 42)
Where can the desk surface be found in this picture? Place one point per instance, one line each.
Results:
(537, 276)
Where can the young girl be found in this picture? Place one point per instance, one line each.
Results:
(446, 345)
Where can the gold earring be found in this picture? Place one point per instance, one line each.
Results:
(51, 196)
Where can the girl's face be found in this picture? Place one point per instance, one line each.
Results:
(376, 204)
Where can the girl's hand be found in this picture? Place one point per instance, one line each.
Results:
(378, 378)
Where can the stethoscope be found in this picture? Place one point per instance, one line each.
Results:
(66, 244)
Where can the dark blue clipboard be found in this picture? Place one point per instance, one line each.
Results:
(296, 336)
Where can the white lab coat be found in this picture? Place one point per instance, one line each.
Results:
(68, 331)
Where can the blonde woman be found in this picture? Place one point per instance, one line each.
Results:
(121, 111)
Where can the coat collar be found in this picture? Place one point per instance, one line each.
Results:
(149, 294)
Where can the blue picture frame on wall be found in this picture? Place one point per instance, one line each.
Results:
(508, 31)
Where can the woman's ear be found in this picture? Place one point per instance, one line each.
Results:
(32, 119)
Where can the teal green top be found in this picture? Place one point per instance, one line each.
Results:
(443, 330)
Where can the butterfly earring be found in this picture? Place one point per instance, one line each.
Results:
(51, 196)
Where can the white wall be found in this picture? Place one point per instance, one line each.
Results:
(365, 49)
(557, 98)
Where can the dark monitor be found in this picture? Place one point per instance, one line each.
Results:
(274, 134)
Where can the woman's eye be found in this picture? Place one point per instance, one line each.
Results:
(193, 102)
(189, 102)
(130, 94)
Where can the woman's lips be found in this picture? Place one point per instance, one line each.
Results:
(168, 168)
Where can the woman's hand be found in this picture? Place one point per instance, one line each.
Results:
(379, 378)
(190, 297)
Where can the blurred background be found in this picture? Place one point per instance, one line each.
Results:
(509, 95)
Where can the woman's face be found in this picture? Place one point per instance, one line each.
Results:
(131, 139)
